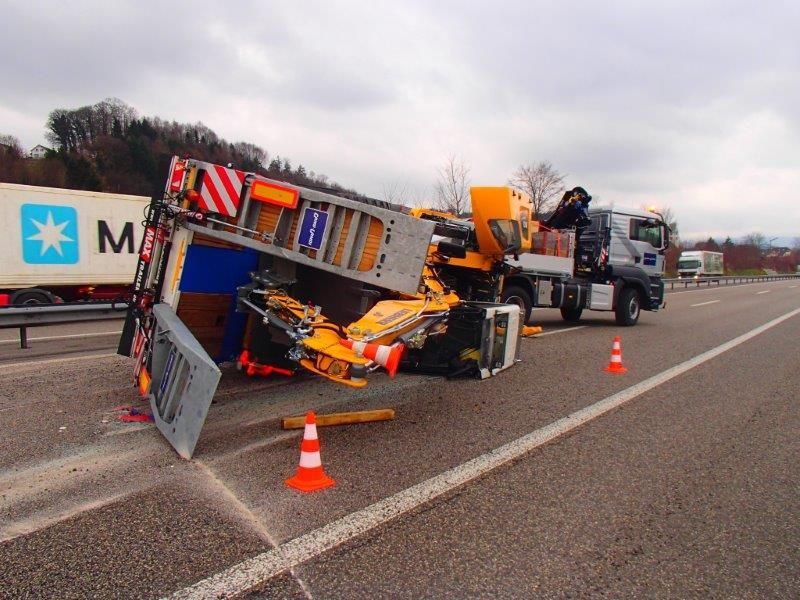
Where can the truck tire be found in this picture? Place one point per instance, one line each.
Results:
(515, 294)
(629, 306)
(571, 314)
(32, 296)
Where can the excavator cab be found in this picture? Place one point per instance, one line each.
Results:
(502, 218)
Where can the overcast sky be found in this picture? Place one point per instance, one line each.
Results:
(693, 106)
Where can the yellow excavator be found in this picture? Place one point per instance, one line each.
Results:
(440, 328)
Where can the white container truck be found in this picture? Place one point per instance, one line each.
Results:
(694, 264)
(67, 245)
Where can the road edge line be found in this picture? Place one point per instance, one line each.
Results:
(62, 337)
(50, 361)
(555, 331)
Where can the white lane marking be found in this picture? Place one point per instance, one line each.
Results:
(251, 572)
(791, 287)
(62, 337)
(704, 303)
(559, 331)
(763, 292)
(35, 363)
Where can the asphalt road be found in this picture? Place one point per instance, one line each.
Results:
(686, 486)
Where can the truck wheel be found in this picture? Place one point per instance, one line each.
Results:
(628, 307)
(515, 294)
(32, 296)
(572, 314)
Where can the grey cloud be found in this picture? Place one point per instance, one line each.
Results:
(634, 100)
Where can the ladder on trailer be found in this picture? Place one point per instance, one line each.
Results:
(368, 243)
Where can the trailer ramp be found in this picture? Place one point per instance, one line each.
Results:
(184, 379)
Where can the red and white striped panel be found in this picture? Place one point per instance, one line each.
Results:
(221, 189)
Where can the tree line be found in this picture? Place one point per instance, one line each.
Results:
(109, 147)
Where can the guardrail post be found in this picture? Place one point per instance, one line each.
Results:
(23, 338)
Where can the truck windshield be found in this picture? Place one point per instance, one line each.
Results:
(688, 263)
(506, 232)
(642, 230)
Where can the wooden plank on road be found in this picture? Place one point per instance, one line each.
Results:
(348, 418)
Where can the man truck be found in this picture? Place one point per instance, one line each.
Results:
(613, 260)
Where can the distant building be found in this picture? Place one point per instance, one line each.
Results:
(38, 151)
(779, 251)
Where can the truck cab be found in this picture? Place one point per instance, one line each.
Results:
(635, 238)
(633, 243)
(617, 265)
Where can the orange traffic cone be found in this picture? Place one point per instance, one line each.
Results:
(615, 364)
(386, 356)
(310, 477)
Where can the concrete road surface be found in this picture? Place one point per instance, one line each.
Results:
(554, 479)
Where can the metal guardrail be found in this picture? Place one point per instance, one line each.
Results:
(39, 315)
(725, 280)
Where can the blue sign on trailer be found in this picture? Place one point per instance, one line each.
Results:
(312, 228)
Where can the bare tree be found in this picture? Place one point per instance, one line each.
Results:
(420, 197)
(11, 145)
(759, 240)
(395, 192)
(253, 157)
(541, 182)
(452, 188)
(671, 220)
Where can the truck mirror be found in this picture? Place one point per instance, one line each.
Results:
(666, 236)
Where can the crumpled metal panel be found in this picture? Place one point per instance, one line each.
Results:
(184, 380)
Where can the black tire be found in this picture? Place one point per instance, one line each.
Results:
(629, 307)
(515, 294)
(572, 314)
(32, 296)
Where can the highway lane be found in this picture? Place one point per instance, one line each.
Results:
(128, 478)
(690, 491)
(61, 341)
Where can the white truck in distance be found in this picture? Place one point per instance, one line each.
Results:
(694, 264)
(67, 244)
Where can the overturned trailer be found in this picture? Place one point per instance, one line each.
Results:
(235, 266)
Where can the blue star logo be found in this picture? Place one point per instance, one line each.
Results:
(49, 234)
